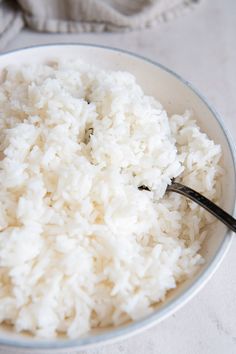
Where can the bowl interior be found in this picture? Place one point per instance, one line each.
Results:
(176, 96)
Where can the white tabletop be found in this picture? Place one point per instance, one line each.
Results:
(201, 47)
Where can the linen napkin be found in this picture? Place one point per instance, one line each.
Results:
(85, 15)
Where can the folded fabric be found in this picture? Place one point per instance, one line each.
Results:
(11, 21)
(85, 15)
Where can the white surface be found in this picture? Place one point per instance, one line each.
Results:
(201, 47)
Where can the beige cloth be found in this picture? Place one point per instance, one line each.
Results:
(11, 21)
(85, 15)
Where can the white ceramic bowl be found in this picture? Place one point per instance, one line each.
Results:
(176, 95)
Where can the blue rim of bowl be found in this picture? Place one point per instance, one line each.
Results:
(175, 304)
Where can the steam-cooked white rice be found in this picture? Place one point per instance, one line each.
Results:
(80, 245)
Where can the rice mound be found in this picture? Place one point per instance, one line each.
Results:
(81, 246)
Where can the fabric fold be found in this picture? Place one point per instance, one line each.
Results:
(64, 16)
(99, 15)
(11, 21)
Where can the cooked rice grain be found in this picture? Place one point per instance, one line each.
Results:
(80, 245)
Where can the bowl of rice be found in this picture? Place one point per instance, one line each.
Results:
(86, 256)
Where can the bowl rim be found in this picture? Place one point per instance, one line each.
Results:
(181, 299)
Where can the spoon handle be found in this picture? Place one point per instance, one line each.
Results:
(219, 213)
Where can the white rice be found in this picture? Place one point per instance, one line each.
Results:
(80, 245)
